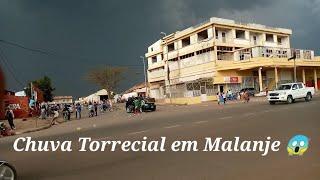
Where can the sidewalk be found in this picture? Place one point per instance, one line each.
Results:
(29, 124)
(252, 99)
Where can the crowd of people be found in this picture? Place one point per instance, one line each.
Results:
(223, 97)
(53, 111)
(134, 104)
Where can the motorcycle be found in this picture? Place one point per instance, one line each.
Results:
(7, 171)
(66, 115)
(91, 110)
(5, 131)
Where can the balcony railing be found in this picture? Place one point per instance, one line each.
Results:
(272, 52)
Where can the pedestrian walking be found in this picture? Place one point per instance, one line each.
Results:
(55, 115)
(246, 97)
(91, 109)
(10, 118)
(43, 112)
(224, 96)
(137, 106)
(218, 98)
(78, 111)
(221, 98)
(95, 108)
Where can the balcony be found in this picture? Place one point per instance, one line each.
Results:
(156, 65)
(248, 58)
(156, 75)
(240, 41)
(153, 53)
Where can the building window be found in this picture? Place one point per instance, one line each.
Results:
(186, 56)
(240, 34)
(269, 38)
(186, 42)
(204, 51)
(154, 59)
(224, 48)
(151, 49)
(217, 34)
(174, 59)
(203, 35)
(171, 47)
(279, 40)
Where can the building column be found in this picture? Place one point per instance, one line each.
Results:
(315, 80)
(276, 76)
(260, 79)
(303, 76)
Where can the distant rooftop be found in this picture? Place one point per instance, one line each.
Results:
(229, 22)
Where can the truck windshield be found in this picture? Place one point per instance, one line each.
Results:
(284, 87)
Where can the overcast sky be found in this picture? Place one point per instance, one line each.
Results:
(92, 33)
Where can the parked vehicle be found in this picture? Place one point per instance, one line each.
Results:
(290, 92)
(251, 91)
(7, 171)
(148, 105)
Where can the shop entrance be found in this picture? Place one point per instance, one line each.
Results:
(221, 88)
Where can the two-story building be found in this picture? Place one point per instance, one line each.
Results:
(192, 65)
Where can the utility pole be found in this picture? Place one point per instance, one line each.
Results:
(294, 57)
(145, 75)
(168, 75)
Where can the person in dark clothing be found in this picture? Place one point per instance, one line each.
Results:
(130, 105)
(10, 117)
(66, 113)
(78, 111)
(96, 108)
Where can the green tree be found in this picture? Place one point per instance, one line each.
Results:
(107, 77)
(45, 85)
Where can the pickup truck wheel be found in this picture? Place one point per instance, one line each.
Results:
(272, 102)
(308, 97)
(289, 100)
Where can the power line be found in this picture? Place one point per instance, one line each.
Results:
(10, 68)
(52, 53)
(26, 48)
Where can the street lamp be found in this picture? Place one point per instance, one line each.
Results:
(166, 43)
(145, 74)
(294, 64)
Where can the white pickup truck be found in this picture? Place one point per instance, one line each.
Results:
(290, 92)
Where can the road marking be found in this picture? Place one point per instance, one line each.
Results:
(174, 126)
(249, 114)
(227, 117)
(200, 122)
(138, 132)
(266, 111)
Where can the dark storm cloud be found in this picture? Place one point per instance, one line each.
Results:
(98, 32)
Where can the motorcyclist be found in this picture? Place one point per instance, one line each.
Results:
(66, 112)
(91, 109)
(129, 105)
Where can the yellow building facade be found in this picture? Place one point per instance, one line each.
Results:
(193, 65)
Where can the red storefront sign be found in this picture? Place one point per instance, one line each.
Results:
(230, 79)
(234, 79)
(19, 105)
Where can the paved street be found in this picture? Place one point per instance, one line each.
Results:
(253, 121)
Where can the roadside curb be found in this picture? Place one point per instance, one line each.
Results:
(33, 130)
